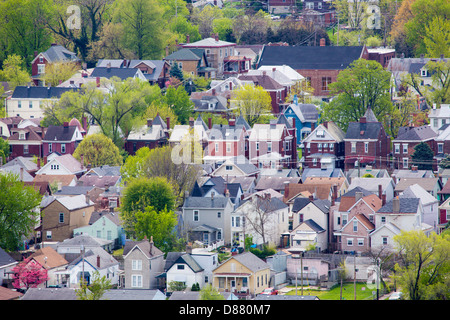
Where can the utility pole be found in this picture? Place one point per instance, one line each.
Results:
(354, 276)
(301, 270)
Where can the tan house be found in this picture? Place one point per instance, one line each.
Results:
(64, 214)
(242, 274)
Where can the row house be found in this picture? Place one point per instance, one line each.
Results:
(152, 135)
(366, 143)
(304, 117)
(442, 143)
(272, 146)
(407, 139)
(439, 117)
(324, 147)
(61, 139)
(26, 142)
(190, 60)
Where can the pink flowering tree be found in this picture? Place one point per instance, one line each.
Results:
(28, 274)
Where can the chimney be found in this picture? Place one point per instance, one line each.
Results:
(380, 191)
(322, 42)
(84, 120)
(88, 200)
(216, 37)
(45, 160)
(167, 51)
(38, 163)
(189, 248)
(396, 205)
(82, 160)
(358, 195)
(188, 38)
(232, 122)
(213, 92)
(334, 197)
(414, 168)
(151, 244)
(98, 261)
(71, 82)
(168, 123)
(313, 126)
(383, 200)
(191, 122)
(59, 186)
(97, 80)
(209, 123)
(286, 189)
(124, 64)
(35, 54)
(66, 125)
(362, 120)
(212, 195)
(149, 123)
(21, 173)
(311, 197)
(108, 65)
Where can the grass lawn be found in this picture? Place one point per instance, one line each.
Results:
(362, 292)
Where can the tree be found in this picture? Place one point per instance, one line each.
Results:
(95, 290)
(437, 38)
(177, 286)
(424, 265)
(440, 75)
(423, 156)
(445, 162)
(302, 91)
(18, 214)
(158, 225)
(4, 149)
(402, 114)
(59, 72)
(28, 274)
(13, 72)
(364, 84)
(98, 150)
(208, 292)
(143, 27)
(178, 100)
(176, 72)
(252, 102)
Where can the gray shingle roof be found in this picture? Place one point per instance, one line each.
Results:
(422, 133)
(368, 130)
(206, 202)
(24, 92)
(251, 261)
(407, 205)
(122, 73)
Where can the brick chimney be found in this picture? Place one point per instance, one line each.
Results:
(322, 42)
(380, 191)
(149, 123)
(98, 261)
(168, 123)
(286, 189)
(188, 38)
(209, 123)
(362, 120)
(191, 122)
(396, 205)
(232, 122)
(216, 37)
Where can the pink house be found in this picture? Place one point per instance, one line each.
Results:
(355, 234)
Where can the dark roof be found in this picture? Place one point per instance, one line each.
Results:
(58, 53)
(122, 73)
(368, 130)
(264, 81)
(313, 225)
(300, 203)
(186, 54)
(240, 121)
(309, 111)
(305, 57)
(407, 205)
(144, 245)
(5, 258)
(73, 190)
(351, 193)
(206, 202)
(21, 92)
(59, 133)
(421, 133)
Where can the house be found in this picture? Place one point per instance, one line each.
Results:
(56, 181)
(218, 187)
(125, 294)
(6, 124)
(53, 263)
(276, 183)
(95, 260)
(208, 219)
(277, 92)
(320, 65)
(366, 143)
(266, 220)
(272, 146)
(216, 51)
(355, 234)
(152, 135)
(341, 183)
(318, 12)
(317, 210)
(19, 171)
(439, 117)
(195, 130)
(236, 167)
(444, 215)
(414, 172)
(55, 54)
(429, 204)
(185, 269)
(48, 294)
(27, 102)
(104, 225)
(248, 184)
(407, 139)
(225, 142)
(304, 118)
(280, 7)
(208, 261)
(62, 139)
(382, 55)
(235, 65)
(322, 172)
(306, 235)
(243, 274)
(154, 71)
(383, 187)
(121, 73)
(143, 262)
(193, 61)
(7, 263)
(62, 165)
(105, 170)
(26, 142)
(324, 147)
(64, 214)
(72, 248)
(210, 101)
(441, 143)
(431, 185)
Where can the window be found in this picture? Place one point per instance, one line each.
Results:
(41, 68)
(383, 219)
(61, 217)
(257, 146)
(180, 65)
(19, 104)
(405, 148)
(49, 235)
(99, 233)
(319, 147)
(366, 147)
(360, 242)
(50, 148)
(63, 148)
(216, 147)
(41, 59)
(325, 80)
(180, 266)
(196, 215)
(228, 147)
(319, 5)
(344, 219)
(435, 123)
(355, 226)
(136, 281)
(385, 240)
(397, 147)
(269, 146)
(30, 105)
(300, 218)
(314, 160)
(332, 147)
(353, 147)
(443, 122)
(25, 149)
(423, 72)
(350, 242)
(228, 168)
(219, 215)
(109, 235)
(219, 235)
(222, 283)
(440, 148)
(405, 163)
(310, 5)
(136, 264)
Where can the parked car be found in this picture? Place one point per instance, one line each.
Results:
(396, 296)
(270, 291)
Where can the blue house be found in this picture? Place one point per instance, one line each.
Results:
(305, 115)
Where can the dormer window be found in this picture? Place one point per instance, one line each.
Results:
(21, 135)
(424, 73)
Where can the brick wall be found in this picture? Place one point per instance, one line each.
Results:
(316, 79)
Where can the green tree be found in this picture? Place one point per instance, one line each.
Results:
(98, 150)
(95, 290)
(208, 292)
(252, 102)
(158, 225)
(364, 84)
(177, 286)
(437, 38)
(18, 215)
(178, 100)
(176, 72)
(424, 266)
(445, 163)
(4, 149)
(440, 75)
(423, 156)
(14, 72)
(59, 72)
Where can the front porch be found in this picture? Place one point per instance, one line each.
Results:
(237, 283)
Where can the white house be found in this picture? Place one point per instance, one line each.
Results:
(306, 234)
(186, 270)
(62, 165)
(208, 261)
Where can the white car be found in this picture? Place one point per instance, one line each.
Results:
(396, 296)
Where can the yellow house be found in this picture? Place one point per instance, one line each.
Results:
(242, 274)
